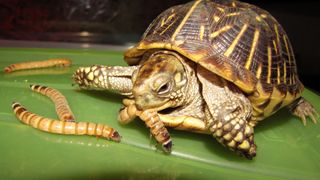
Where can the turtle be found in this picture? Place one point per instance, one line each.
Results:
(217, 67)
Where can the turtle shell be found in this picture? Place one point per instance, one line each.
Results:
(237, 41)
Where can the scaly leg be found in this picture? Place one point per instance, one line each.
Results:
(228, 113)
(237, 135)
(113, 78)
(234, 131)
(303, 109)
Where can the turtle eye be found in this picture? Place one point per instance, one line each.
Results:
(164, 88)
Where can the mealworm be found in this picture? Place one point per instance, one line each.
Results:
(62, 127)
(157, 129)
(37, 64)
(62, 108)
(44, 71)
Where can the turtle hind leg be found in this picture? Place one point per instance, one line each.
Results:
(303, 109)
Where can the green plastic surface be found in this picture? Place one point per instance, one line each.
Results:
(286, 149)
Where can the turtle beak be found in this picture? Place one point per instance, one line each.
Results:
(142, 105)
(143, 101)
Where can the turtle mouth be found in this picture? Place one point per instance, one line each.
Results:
(168, 110)
(165, 105)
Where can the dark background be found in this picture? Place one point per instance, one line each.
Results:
(122, 22)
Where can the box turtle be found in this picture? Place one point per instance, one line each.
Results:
(210, 66)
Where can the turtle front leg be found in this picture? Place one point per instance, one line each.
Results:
(228, 114)
(113, 78)
(233, 130)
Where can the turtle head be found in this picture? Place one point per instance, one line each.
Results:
(160, 81)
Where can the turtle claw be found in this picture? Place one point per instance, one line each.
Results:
(304, 109)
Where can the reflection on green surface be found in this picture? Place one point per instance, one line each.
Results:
(286, 149)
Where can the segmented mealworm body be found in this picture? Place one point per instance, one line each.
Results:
(62, 127)
(62, 107)
(157, 129)
(37, 64)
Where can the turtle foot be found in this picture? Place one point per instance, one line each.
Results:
(304, 109)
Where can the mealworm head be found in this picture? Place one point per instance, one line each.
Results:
(116, 136)
(32, 86)
(14, 104)
(69, 119)
(7, 69)
(167, 146)
(37, 88)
